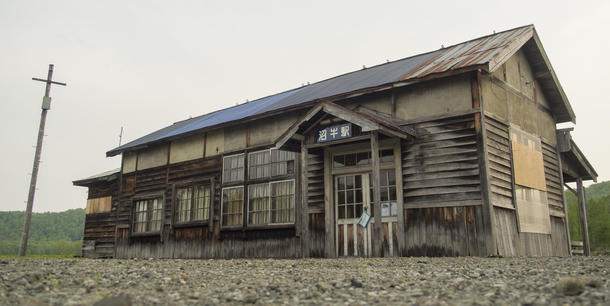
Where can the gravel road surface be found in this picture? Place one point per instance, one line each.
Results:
(405, 281)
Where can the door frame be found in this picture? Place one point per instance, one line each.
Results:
(330, 172)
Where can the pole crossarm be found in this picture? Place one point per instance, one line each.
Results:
(49, 81)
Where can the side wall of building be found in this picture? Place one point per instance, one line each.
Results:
(514, 103)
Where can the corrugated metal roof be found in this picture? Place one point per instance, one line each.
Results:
(492, 49)
(365, 78)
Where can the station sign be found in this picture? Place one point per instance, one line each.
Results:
(335, 132)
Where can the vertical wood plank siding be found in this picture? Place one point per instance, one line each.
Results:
(442, 193)
(498, 146)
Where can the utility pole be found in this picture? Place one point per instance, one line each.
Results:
(46, 105)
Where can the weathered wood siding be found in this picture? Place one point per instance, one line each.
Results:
(511, 242)
(315, 176)
(444, 231)
(553, 181)
(98, 238)
(317, 235)
(442, 193)
(198, 241)
(508, 240)
(498, 148)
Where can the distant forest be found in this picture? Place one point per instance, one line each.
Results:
(62, 233)
(51, 233)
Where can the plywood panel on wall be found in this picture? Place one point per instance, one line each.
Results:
(98, 205)
(529, 167)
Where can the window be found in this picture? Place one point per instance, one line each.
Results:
(362, 158)
(387, 187)
(350, 196)
(282, 162)
(147, 215)
(232, 205)
(282, 202)
(267, 202)
(270, 163)
(271, 203)
(233, 168)
(193, 204)
(259, 164)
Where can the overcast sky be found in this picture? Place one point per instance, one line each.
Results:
(143, 65)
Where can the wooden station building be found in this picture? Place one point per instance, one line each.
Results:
(454, 152)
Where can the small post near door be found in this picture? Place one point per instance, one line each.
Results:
(376, 194)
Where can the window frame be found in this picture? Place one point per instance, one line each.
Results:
(134, 213)
(271, 165)
(244, 168)
(222, 204)
(271, 161)
(269, 209)
(209, 181)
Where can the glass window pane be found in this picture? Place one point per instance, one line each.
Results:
(358, 180)
(362, 158)
(383, 179)
(392, 178)
(350, 196)
(393, 193)
(384, 194)
(341, 197)
(349, 182)
(339, 161)
(350, 159)
(350, 211)
(341, 183)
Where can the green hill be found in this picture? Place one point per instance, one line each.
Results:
(598, 210)
(51, 233)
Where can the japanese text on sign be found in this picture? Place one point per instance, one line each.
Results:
(335, 132)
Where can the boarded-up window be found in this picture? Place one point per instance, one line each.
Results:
(98, 205)
(530, 191)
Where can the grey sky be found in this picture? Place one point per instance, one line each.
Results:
(143, 65)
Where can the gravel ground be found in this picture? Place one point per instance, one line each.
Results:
(409, 281)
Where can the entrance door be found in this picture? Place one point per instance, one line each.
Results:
(351, 199)
(353, 195)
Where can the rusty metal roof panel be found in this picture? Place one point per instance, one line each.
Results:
(471, 53)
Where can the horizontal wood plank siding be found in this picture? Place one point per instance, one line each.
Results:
(315, 175)
(498, 148)
(99, 235)
(443, 215)
(441, 165)
(553, 181)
